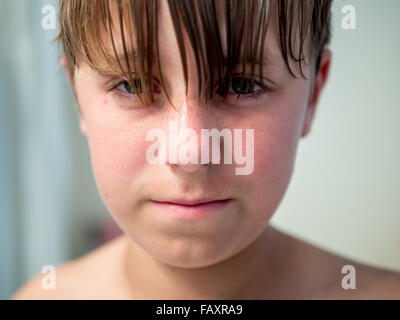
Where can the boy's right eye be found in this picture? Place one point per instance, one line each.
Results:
(126, 87)
(126, 91)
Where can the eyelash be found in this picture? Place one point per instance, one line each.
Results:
(250, 96)
(121, 94)
(244, 97)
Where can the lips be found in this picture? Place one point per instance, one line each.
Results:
(192, 203)
(188, 209)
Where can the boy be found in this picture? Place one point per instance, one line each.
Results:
(196, 229)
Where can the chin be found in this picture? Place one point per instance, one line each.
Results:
(193, 255)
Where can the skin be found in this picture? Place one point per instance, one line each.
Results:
(234, 254)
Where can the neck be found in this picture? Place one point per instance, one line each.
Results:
(258, 271)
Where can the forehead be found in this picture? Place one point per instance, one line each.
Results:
(167, 37)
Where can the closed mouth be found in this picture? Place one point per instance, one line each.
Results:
(193, 203)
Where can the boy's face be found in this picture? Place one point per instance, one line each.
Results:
(116, 128)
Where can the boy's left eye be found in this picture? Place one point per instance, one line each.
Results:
(244, 85)
(240, 86)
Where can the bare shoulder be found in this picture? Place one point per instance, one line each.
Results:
(370, 282)
(345, 278)
(378, 283)
(38, 288)
(95, 275)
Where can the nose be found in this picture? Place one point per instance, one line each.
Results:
(185, 136)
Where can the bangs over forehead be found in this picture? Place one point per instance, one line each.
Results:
(123, 35)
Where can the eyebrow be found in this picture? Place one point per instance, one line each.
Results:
(133, 58)
(266, 61)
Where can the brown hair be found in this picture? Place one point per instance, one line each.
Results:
(83, 25)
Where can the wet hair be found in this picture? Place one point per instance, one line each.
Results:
(87, 26)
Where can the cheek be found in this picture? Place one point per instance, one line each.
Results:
(275, 146)
(117, 145)
(116, 157)
(116, 161)
(274, 160)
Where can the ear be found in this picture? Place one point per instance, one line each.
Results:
(319, 83)
(82, 123)
(64, 64)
